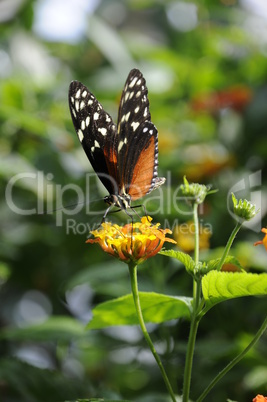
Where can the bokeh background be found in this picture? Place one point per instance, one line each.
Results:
(205, 63)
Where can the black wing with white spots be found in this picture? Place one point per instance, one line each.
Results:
(96, 132)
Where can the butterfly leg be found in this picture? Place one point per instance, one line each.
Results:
(105, 214)
(140, 206)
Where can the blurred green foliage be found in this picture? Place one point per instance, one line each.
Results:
(205, 66)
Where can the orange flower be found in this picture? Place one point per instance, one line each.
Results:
(260, 398)
(131, 243)
(264, 240)
(236, 97)
(184, 234)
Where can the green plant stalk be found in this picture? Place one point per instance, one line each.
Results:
(236, 360)
(189, 357)
(134, 285)
(195, 317)
(196, 224)
(229, 244)
(196, 250)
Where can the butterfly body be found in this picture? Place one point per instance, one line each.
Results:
(125, 157)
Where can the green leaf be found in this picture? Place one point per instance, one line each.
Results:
(156, 308)
(213, 264)
(221, 286)
(4, 272)
(54, 329)
(182, 257)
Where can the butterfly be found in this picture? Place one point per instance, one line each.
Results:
(125, 157)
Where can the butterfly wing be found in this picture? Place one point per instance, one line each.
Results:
(137, 140)
(96, 132)
(143, 178)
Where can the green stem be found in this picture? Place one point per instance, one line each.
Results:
(196, 251)
(189, 359)
(195, 318)
(229, 244)
(229, 366)
(133, 276)
(191, 348)
(196, 224)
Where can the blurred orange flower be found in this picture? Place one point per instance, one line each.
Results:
(260, 398)
(184, 235)
(133, 242)
(264, 240)
(236, 97)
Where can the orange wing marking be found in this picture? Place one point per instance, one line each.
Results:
(143, 172)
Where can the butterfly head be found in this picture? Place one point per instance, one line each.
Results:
(122, 201)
